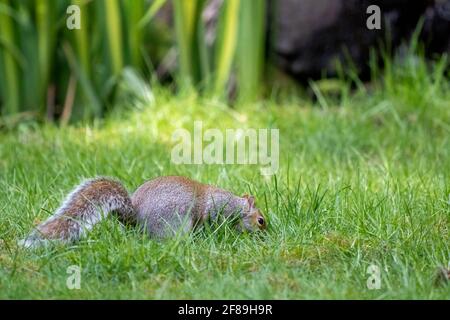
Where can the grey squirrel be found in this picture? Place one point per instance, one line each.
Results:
(162, 206)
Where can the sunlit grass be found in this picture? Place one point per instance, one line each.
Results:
(363, 181)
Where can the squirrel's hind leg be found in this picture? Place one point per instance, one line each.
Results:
(162, 227)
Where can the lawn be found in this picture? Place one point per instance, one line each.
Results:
(364, 180)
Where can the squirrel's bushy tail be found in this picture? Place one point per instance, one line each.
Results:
(85, 206)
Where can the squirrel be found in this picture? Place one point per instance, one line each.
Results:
(162, 207)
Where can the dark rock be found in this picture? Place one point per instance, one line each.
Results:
(436, 33)
(309, 36)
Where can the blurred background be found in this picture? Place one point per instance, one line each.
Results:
(235, 50)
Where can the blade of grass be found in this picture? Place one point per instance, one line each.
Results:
(82, 45)
(29, 76)
(81, 37)
(185, 31)
(226, 44)
(203, 54)
(69, 101)
(114, 34)
(11, 73)
(95, 107)
(133, 11)
(151, 12)
(250, 50)
(44, 24)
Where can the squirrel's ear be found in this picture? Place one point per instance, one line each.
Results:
(250, 200)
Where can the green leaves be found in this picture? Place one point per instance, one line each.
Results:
(114, 34)
(238, 47)
(250, 50)
(227, 38)
(10, 75)
(186, 18)
(45, 24)
(52, 70)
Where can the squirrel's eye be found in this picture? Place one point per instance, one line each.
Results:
(260, 221)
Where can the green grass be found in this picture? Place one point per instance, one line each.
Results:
(364, 179)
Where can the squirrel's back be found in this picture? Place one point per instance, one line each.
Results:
(167, 205)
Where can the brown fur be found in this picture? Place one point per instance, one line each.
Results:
(163, 206)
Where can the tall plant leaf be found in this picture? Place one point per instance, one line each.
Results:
(226, 44)
(114, 34)
(250, 51)
(10, 67)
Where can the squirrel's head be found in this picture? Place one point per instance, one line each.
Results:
(252, 218)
